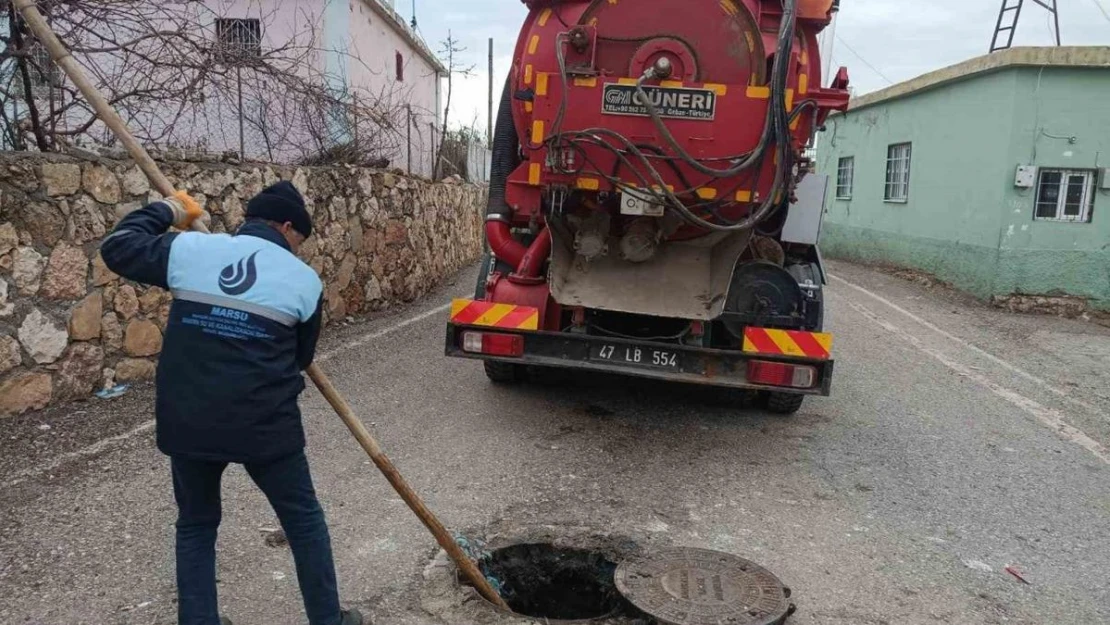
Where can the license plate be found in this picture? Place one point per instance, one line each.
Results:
(642, 356)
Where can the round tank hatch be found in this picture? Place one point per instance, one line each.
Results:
(716, 41)
(700, 587)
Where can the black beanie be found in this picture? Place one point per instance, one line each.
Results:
(281, 203)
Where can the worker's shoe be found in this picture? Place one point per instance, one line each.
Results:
(225, 621)
(353, 617)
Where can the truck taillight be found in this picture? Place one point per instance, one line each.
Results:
(781, 374)
(493, 344)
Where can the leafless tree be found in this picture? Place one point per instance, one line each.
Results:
(182, 77)
(449, 53)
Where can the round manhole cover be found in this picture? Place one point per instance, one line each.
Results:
(701, 587)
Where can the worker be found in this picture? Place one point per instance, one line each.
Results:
(243, 326)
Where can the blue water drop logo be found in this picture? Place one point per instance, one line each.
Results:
(238, 278)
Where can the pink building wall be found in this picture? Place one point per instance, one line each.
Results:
(374, 45)
(349, 45)
(358, 43)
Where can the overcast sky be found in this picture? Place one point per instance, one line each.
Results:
(899, 39)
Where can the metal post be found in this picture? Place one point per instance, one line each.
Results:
(489, 123)
(354, 120)
(432, 129)
(242, 131)
(408, 134)
(1056, 16)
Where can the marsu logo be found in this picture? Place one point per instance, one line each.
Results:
(238, 278)
(228, 313)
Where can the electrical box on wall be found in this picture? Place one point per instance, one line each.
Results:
(1026, 177)
(1104, 179)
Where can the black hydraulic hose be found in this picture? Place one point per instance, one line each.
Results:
(504, 157)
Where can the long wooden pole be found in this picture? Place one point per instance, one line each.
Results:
(41, 29)
(489, 111)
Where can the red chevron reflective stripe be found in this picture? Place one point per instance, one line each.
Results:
(796, 343)
(809, 344)
(494, 315)
(761, 341)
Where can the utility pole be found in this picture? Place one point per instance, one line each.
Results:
(489, 123)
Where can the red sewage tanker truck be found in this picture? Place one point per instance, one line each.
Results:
(651, 208)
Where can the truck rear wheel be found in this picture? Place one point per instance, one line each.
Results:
(784, 403)
(504, 373)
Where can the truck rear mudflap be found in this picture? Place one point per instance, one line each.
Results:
(765, 363)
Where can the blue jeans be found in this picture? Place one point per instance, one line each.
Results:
(287, 483)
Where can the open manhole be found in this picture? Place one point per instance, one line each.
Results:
(555, 583)
(561, 574)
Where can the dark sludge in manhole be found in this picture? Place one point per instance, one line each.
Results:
(555, 583)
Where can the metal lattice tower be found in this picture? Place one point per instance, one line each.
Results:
(1008, 17)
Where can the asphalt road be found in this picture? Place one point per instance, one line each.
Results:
(960, 440)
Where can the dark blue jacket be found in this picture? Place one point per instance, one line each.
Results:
(244, 324)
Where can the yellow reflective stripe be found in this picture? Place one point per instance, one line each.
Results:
(824, 340)
(759, 93)
(458, 305)
(494, 315)
(785, 343)
(721, 90)
(531, 323)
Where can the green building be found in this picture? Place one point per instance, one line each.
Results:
(993, 175)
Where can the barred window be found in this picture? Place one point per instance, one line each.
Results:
(845, 176)
(42, 70)
(239, 38)
(898, 172)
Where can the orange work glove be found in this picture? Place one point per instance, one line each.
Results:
(185, 209)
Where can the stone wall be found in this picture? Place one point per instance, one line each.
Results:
(69, 326)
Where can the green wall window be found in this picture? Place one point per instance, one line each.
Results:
(898, 172)
(845, 175)
(1065, 195)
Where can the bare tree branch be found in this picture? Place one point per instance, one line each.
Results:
(174, 75)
